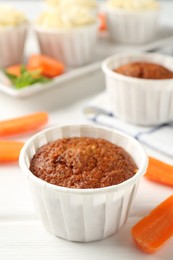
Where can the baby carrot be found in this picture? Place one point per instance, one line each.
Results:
(23, 124)
(48, 66)
(154, 230)
(9, 151)
(159, 172)
(14, 70)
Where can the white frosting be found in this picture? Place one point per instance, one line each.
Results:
(133, 4)
(67, 3)
(69, 18)
(53, 2)
(10, 16)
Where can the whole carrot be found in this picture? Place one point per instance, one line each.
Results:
(151, 232)
(23, 124)
(159, 172)
(9, 151)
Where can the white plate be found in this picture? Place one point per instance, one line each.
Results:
(104, 48)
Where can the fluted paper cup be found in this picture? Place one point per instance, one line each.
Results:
(12, 42)
(83, 214)
(73, 46)
(132, 27)
(139, 101)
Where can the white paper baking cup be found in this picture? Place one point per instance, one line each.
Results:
(83, 214)
(74, 47)
(132, 27)
(12, 42)
(139, 101)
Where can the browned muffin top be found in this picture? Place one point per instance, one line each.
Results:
(145, 70)
(82, 162)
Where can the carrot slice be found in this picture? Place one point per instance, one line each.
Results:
(159, 172)
(23, 124)
(154, 230)
(14, 70)
(9, 151)
(49, 67)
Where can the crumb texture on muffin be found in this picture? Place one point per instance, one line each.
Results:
(144, 70)
(82, 162)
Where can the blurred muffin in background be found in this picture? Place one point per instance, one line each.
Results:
(140, 87)
(67, 34)
(13, 30)
(74, 17)
(132, 21)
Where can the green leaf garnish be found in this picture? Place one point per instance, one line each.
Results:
(26, 78)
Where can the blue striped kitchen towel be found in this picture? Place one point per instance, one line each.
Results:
(159, 137)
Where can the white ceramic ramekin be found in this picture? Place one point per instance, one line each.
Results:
(74, 46)
(83, 214)
(132, 27)
(12, 42)
(139, 101)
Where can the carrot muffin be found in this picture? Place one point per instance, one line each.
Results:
(145, 70)
(82, 162)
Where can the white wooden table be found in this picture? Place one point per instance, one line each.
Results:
(22, 236)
